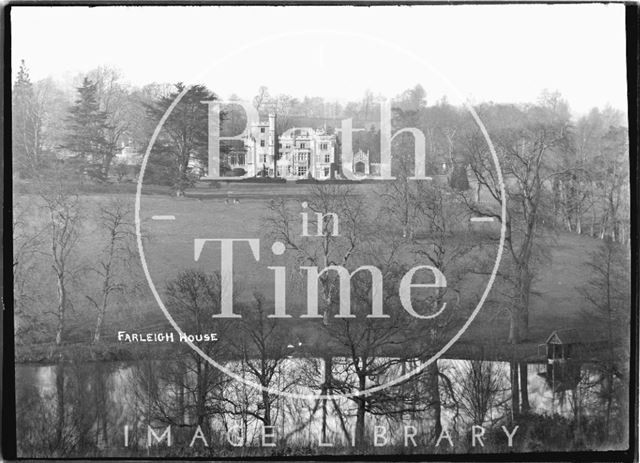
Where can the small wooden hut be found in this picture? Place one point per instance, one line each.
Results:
(563, 349)
(563, 345)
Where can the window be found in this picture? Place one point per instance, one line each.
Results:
(236, 159)
(264, 158)
(302, 171)
(288, 146)
(326, 171)
(262, 143)
(302, 156)
(324, 146)
(303, 145)
(261, 129)
(327, 157)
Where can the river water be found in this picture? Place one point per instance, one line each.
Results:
(92, 408)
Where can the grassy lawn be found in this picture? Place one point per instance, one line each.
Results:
(169, 248)
(556, 302)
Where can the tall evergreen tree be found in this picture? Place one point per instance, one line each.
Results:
(26, 124)
(86, 127)
(184, 136)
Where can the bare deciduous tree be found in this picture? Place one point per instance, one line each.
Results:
(607, 293)
(262, 345)
(27, 240)
(341, 209)
(63, 228)
(116, 257)
(480, 384)
(115, 101)
(525, 140)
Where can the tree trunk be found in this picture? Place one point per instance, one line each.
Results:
(523, 324)
(62, 303)
(326, 387)
(524, 384)
(266, 403)
(201, 400)
(577, 413)
(324, 420)
(101, 315)
(60, 404)
(514, 332)
(515, 394)
(182, 176)
(434, 398)
(106, 165)
(360, 422)
(96, 334)
(181, 378)
(522, 311)
(101, 397)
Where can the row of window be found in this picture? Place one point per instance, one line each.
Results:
(301, 157)
(323, 146)
(301, 146)
(302, 171)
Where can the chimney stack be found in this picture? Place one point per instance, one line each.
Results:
(272, 123)
(273, 136)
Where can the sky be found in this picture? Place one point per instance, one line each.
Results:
(499, 53)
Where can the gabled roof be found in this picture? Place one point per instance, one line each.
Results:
(566, 336)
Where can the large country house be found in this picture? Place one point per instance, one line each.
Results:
(303, 152)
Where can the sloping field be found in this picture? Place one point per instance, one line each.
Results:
(169, 247)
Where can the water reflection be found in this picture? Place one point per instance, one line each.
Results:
(104, 409)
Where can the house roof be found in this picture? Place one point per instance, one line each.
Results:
(565, 336)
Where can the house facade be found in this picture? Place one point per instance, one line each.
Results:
(304, 152)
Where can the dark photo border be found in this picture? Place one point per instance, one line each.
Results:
(8, 408)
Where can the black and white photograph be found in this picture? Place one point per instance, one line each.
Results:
(357, 231)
